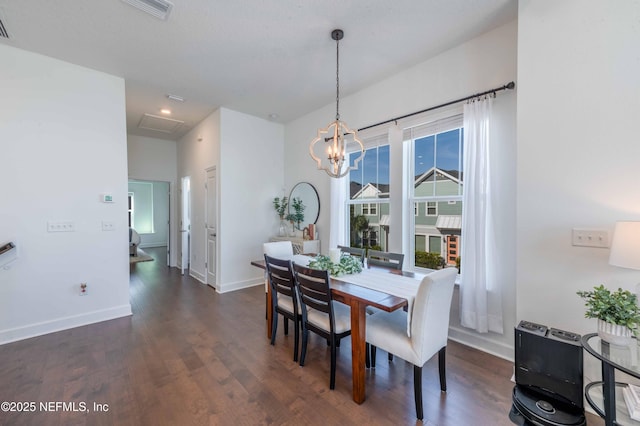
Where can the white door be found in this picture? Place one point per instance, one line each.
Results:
(185, 223)
(211, 222)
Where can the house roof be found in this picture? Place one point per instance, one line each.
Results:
(449, 222)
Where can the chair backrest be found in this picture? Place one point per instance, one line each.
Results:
(385, 259)
(314, 290)
(279, 249)
(353, 251)
(281, 279)
(430, 314)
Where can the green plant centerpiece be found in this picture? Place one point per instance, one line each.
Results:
(617, 312)
(348, 265)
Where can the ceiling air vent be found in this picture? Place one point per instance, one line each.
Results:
(158, 8)
(159, 124)
(3, 30)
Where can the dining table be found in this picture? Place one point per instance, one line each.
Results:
(359, 291)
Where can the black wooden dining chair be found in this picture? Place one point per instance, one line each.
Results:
(385, 259)
(320, 313)
(353, 251)
(284, 298)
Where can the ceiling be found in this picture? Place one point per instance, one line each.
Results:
(273, 59)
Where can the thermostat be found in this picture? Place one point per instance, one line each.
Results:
(107, 198)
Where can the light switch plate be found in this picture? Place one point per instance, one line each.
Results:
(584, 237)
(108, 226)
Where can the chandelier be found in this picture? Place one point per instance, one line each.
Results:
(337, 134)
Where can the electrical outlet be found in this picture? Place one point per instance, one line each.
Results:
(581, 237)
(66, 226)
(108, 226)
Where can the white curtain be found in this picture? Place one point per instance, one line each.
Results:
(337, 216)
(480, 298)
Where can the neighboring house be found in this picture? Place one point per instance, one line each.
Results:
(438, 223)
(376, 213)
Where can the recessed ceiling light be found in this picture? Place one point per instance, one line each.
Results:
(165, 111)
(175, 98)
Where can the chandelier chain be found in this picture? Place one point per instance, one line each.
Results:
(337, 79)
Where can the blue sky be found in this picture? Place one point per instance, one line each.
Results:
(374, 168)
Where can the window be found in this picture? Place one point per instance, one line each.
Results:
(369, 197)
(432, 208)
(436, 162)
(370, 209)
(370, 238)
(141, 211)
(130, 209)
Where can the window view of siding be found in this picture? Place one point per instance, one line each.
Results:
(437, 198)
(369, 200)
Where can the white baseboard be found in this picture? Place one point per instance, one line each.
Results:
(46, 327)
(476, 341)
(197, 275)
(239, 285)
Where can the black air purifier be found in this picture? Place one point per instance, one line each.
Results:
(548, 374)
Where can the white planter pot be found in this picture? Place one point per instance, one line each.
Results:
(614, 334)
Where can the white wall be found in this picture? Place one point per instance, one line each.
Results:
(578, 150)
(154, 159)
(251, 174)
(248, 154)
(198, 150)
(483, 63)
(63, 145)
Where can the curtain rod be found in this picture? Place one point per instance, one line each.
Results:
(510, 85)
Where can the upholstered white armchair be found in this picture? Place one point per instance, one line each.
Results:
(429, 328)
(134, 242)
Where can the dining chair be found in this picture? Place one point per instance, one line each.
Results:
(353, 251)
(385, 259)
(320, 313)
(284, 298)
(280, 250)
(429, 328)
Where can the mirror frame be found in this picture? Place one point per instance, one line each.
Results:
(299, 186)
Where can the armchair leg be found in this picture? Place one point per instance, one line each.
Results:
(442, 369)
(417, 390)
(286, 326)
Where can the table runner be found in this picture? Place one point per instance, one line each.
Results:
(387, 282)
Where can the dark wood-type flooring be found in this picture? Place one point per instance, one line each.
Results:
(190, 356)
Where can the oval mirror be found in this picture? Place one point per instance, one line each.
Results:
(310, 200)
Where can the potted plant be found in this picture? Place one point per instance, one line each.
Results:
(617, 312)
(298, 207)
(280, 205)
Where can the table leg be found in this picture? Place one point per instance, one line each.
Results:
(609, 393)
(358, 351)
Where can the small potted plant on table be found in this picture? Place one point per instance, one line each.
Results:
(617, 312)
